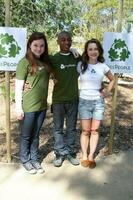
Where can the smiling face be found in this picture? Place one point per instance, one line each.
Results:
(37, 47)
(92, 52)
(64, 41)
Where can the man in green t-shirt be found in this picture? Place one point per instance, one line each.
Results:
(65, 101)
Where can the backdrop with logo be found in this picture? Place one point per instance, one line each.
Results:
(118, 52)
(12, 47)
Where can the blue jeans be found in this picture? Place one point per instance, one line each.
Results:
(29, 139)
(64, 144)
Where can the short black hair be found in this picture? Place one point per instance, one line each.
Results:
(64, 33)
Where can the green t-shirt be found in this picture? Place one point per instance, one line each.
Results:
(35, 97)
(66, 88)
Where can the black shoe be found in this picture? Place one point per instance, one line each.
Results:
(58, 161)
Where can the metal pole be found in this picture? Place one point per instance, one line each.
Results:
(112, 132)
(7, 84)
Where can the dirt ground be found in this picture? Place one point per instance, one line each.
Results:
(123, 139)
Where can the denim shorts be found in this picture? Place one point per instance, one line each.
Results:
(91, 109)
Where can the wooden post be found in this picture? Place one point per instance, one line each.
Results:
(7, 83)
(112, 132)
(112, 128)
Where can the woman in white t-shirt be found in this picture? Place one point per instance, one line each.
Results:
(91, 100)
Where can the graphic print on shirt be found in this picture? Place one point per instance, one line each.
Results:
(62, 66)
(93, 71)
(40, 68)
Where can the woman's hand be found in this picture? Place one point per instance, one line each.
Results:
(104, 92)
(20, 115)
(55, 81)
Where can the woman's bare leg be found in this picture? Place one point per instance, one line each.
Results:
(94, 137)
(84, 139)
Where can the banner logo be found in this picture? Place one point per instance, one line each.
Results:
(119, 51)
(8, 46)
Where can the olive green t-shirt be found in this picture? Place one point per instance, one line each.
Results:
(34, 96)
(66, 88)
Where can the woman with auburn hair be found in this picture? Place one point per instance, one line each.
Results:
(91, 99)
(32, 78)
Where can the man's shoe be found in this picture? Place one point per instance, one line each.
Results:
(38, 167)
(29, 168)
(73, 160)
(58, 161)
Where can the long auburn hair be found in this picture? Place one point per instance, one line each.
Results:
(44, 56)
(85, 57)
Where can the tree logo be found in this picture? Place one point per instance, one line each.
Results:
(119, 51)
(62, 66)
(8, 46)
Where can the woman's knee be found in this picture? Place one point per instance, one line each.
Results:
(86, 132)
(94, 131)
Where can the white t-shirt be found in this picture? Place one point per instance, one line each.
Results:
(90, 81)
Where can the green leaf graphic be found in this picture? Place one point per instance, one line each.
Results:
(2, 51)
(12, 52)
(113, 54)
(124, 54)
(8, 42)
(7, 39)
(119, 51)
(119, 44)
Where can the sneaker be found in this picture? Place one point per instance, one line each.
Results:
(37, 166)
(29, 168)
(73, 160)
(58, 161)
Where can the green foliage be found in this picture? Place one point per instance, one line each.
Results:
(84, 18)
(53, 47)
(59, 15)
(49, 16)
(98, 16)
(2, 13)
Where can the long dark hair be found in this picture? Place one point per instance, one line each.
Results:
(85, 57)
(31, 57)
